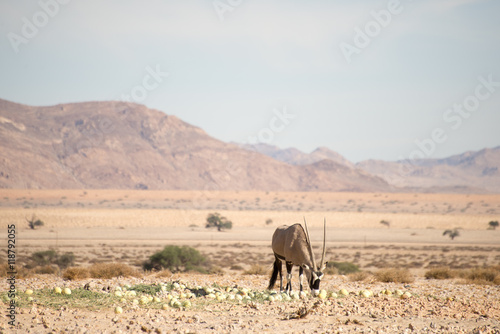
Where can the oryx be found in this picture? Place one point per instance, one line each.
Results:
(292, 245)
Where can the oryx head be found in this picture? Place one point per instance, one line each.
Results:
(316, 271)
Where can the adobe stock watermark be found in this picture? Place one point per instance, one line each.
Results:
(453, 117)
(281, 119)
(363, 36)
(150, 81)
(31, 26)
(225, 6)
(220, 179)
(94, 132)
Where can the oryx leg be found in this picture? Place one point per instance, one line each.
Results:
(281, 276)
(280, 266)
(289, 266)
(301, 277)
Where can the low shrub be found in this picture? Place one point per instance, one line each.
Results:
(440, 273)
(65, 260)
(51, 257)
(177, 259)
(21, 272)
(214, 270)
(256, 269)
(164, 273)
(46, 270)
(110, 270)
(360, 276)
(342, 268)
(236, 267)
(75, 273)
(394, 275)
(43, 258)
(488, 275)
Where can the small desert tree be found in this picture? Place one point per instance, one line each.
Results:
(493, 224)
(216, 220)
(386, 223)
(34, 222)
(452, 233)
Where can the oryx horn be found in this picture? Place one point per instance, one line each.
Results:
(310, 246)
(324, 245)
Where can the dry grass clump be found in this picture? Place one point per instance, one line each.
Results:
(236, 267)
(110, 270)
(46, 270)
(341, 268)
(164, 273)
(394, 275)
(440, 273)
(361, 276)
(256, 269)
(488, 275)
(21, 272)
(76, 273)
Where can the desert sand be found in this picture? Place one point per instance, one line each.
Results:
(129, 226)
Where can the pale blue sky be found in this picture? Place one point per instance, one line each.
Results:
(234, 64)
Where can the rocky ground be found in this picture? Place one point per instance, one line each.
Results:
(435, 306)
(127, 227)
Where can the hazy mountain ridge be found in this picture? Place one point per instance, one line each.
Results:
(470, 171)
(294, 156)
(122, 145)
(99, 145)
(475, 172)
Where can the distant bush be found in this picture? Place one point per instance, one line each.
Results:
(440, 273)
(51, 257)
(43, 258)
(65, 260)
(236, 267)
(492, 225)
(163, 273)
(256, 269)
(177, 259)
(394, 275)
(360, 276)
(75, 273)
(46, 270)
(214, 270)
(341, 268)
(21, 272)
(218, 221)
(110, 270)
(488, 275)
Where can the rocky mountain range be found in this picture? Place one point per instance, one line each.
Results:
(474, 172)
(120, 145)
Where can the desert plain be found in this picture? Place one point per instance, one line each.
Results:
(372, 230)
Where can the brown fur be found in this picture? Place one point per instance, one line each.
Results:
(290, 243)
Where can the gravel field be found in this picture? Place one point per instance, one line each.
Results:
(435, 306)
